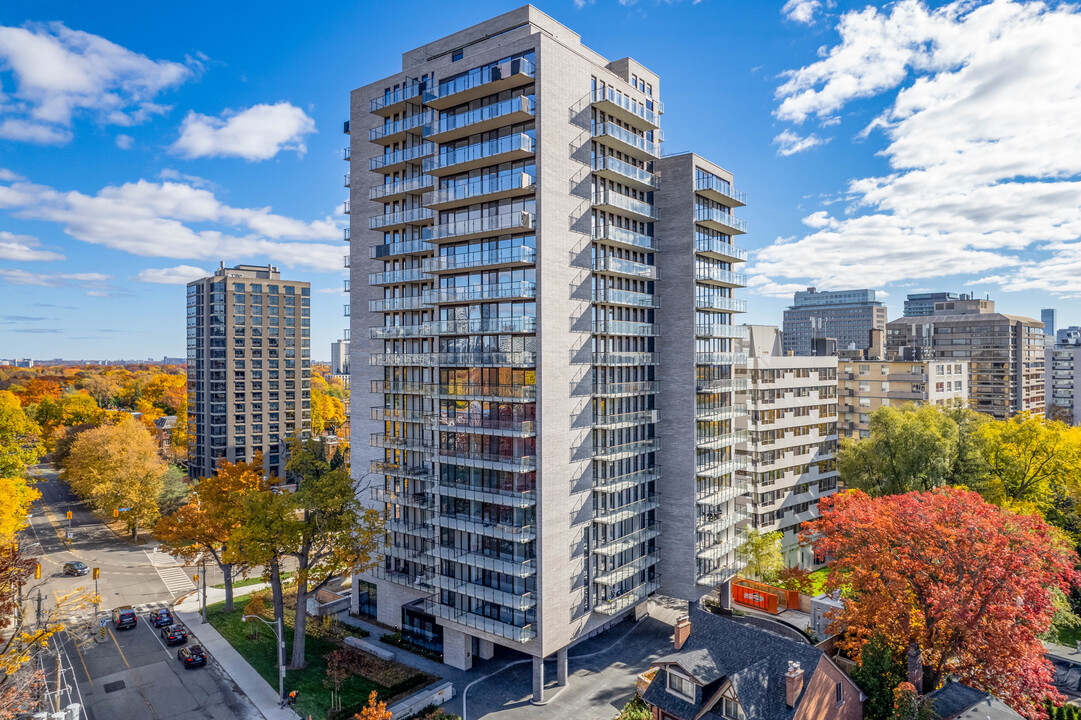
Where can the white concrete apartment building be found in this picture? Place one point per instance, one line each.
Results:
(1062, 374)
(792, 446)
(510, 211)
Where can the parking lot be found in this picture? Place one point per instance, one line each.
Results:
(130, 674)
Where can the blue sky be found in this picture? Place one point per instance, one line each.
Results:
(904, 147)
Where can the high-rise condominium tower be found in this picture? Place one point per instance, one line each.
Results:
(847, 315)
(249, 367)
(514, 231)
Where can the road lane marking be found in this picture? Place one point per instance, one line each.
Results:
(171, 573)
(157, 635)
(85, 670)
(134, 676)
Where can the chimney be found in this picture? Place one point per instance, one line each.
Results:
(682, 631)
(914, 660)
(793, 683)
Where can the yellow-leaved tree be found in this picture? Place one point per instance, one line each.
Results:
(328, 411)
(20, 437)
(1031, 460)
(113, 467)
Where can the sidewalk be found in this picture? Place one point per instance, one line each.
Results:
(259, 691)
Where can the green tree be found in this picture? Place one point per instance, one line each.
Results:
(174, 490)
(20, 437)
(117, 466)
(878, 673)
(968, 466)
(909, 448)
(762, 553)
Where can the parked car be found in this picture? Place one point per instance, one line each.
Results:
(174, 635)
(161, 618)
(76, 568)
(125, 617)
(191, 656)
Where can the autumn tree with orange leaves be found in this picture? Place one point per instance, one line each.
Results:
(202, 528)
(968, 583)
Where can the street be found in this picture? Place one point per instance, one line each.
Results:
(126, 674)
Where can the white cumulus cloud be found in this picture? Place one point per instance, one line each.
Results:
(24, 248)
(179, 275)
(981, 138)
(801, 11)
(256, 133)
(790, 143)
(57, 73)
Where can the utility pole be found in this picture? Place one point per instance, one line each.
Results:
(281, 660)
(39, 610)
(204, 590)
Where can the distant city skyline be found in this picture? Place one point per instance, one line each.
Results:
(186, 143)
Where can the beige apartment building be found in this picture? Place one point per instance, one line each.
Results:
(1005, 353)
(249, 367)
(791, 449)
(863, 386)
(513, 223)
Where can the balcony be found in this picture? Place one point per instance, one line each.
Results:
(625, 173)
(395, 442)
(399, 159)
(610, 453)
(485, 190)
(394, 277)
(716, 442)
(623, 327)
(716, 552)
(345, 261)
(394, 101)
(396, 414)
(618, 105)
(721, 331)
(394, 132)
(400, 386)
(719, 220)
(497, 497)
(720, 496)
(720, 190)
(718, 302)
(625, 297)
(407, 359)
(490, 152)
(624, 420)
(391, 221)
(501, 257)
(720, 358)
(617, 483)
(477, 622)
(625, 572)
(416, 500)
(626, 268)
(416, 473)
(467, 391)
(719, 522)
(485, 359)
(395, 332)
(718, 276)
(611, 201)
(491, 226)
(719, 249)
(514, 568)
(613, 235)
(482, 426)
(514, 290)
(627, 600)
(514, 533)
(399, 189)
(721, 575)
(723, 385)
(625, 389)
(489, 81)
(626, 358)
(408, 528)
(406, 247)
(480, 326)
(509, 112)
(523, 601)
(413, 302)
(347, 181)
(622, 544)
(728, 412)
(612, 516)
(631, 143)
(718, 469)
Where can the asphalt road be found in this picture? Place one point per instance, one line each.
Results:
(127, 674)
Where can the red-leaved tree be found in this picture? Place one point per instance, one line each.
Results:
(968, 582)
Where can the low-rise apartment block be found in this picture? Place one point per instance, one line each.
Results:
(792, 438)
(863, 386)
(1063, 376)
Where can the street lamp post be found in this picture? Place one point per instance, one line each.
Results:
(276, 626)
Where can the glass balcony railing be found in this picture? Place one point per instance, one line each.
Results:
(625, 237)
(522, 601)
(621, 266)
(481, 188)
(718, 275)
(624, 203)
(726, 221)
(727, 412)
(720, 358)
(637, 447)
(393, 332)
(485, 359)
(625, 297)
(723, 385)
(617, 575)
(417, 215)
(407, 91)
(622, 513)
(721, 186)
(629, 174)
(397, 415)
(500, 256)
(417, 500)
(510, 498)
(721, 331)
(624, 327)
(718, 302)
(716, 246)
(399, 443)
(392, 277)
(501, 564)
(620, 420)
(495, 291)
(417, 183)
(479, 227)
(626, 358)
(518, 324)
(627, 138)
(502, 531)
(478, 622)
(615, 100)
(404, 155)
(467, 423)
(464, 120)
(706, 441)
(475, 80)
(627, 599)
(610, 547)
(400, 386)
(616, 483)
(411, 122)
(519, 144)
(406, 247)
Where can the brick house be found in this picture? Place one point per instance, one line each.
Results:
(724, 669)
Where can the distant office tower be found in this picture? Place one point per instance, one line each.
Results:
(1047, 316)
(846, 315)
(249, 367)
(792, 446)
(1062, 374)
(920, 304)
(866, 385)
(1005, 353)
(339, 357)
(507, 212)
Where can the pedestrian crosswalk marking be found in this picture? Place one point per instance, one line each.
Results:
(176, 580)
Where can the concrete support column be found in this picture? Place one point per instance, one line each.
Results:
(538, 679)
(724, 593)
(457, 649)
(561, 667)
(486, 649)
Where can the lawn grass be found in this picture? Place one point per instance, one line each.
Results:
(314, 698)
(250, 581)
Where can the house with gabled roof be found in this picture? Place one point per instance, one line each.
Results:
(722, 669)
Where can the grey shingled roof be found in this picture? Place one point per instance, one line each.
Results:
(754, 660)
(957, 701)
